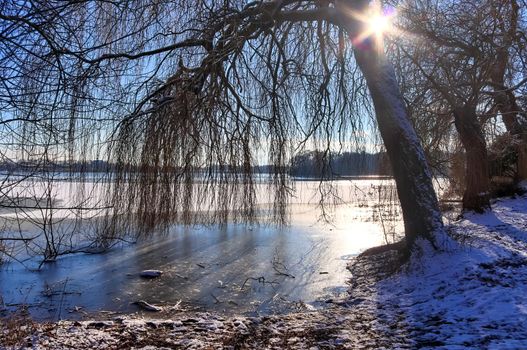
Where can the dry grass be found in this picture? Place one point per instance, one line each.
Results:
(15, 328)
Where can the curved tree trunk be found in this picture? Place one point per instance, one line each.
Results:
(421, 214)
(477, 183)
(422, 217)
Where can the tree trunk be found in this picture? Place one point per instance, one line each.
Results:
(422, 217)
(521, 173)
(514, 118)
(515, 121)
(477, 183)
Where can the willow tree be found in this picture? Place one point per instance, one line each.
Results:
(191, 92)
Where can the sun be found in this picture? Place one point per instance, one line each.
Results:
(379, 24)
(379, 20)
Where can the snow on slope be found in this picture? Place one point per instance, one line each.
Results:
(474, 296)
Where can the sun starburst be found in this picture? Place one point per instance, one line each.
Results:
(377, 23)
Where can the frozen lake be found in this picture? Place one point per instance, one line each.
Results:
(237, 268)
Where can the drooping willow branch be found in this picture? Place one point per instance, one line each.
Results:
(271, 79)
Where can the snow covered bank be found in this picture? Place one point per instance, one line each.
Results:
(473, 297)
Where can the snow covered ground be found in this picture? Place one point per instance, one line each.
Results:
(471, 297)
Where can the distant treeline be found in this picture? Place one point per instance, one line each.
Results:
(312, 164)
(93, 166)
(315, 164)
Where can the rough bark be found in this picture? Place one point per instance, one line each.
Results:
(422, 217)
(477, 183)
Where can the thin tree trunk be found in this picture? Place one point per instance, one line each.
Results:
(477, 183)
(422, 217)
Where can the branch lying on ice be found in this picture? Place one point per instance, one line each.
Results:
(259, 280)
(279, 267)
